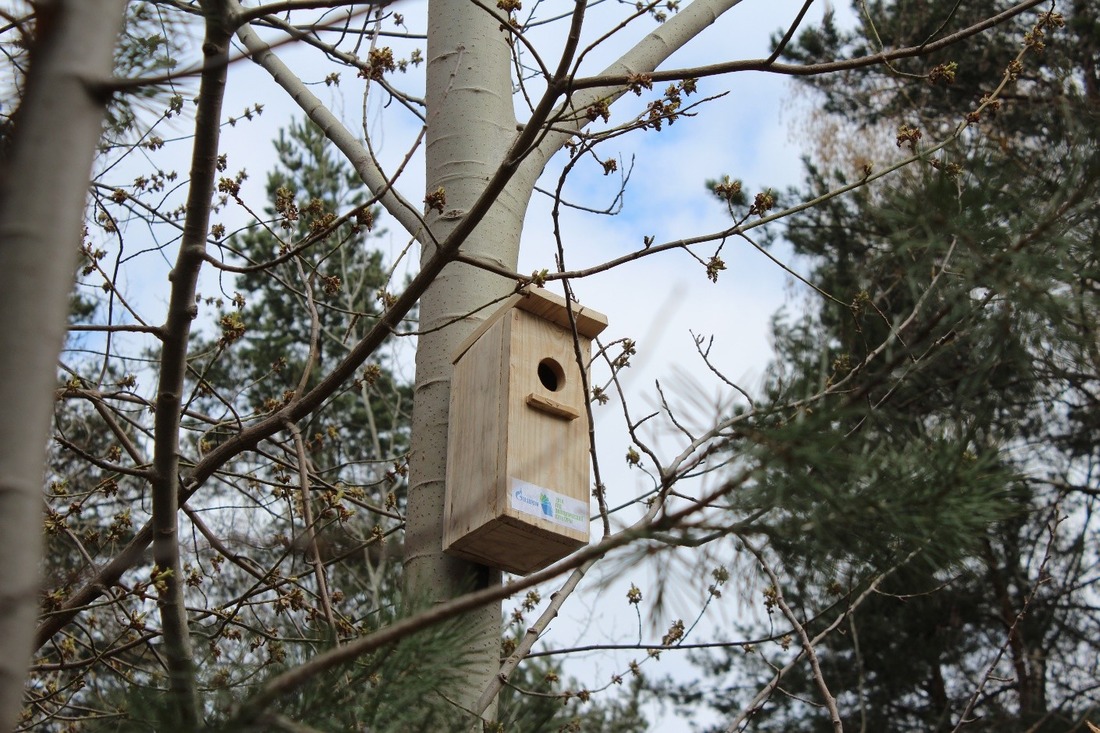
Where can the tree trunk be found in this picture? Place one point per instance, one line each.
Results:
(44, 186)
(471, 123)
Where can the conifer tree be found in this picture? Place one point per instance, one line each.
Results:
(982, 267)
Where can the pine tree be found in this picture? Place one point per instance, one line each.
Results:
(266, 340)
(982, 265)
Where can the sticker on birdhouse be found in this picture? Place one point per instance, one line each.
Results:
(518, 474)
(550, 505)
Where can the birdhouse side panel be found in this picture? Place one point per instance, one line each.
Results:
(477, 437)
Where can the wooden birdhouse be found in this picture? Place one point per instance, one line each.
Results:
(517, 448)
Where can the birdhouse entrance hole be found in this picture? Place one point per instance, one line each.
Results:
(551, 375)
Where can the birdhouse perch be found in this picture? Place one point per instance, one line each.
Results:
(517, 448)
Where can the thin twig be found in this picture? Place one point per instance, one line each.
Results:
(807, 643)
(310, 529)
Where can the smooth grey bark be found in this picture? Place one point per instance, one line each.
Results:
(471, 130)
(470, 127)
(44, 186)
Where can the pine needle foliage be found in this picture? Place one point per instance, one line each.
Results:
(957, 345)
(393, 690)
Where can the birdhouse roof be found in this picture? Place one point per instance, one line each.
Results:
(546, 305)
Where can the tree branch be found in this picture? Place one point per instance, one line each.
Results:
(310, 537)
(173, 369)
(765, 692)
(644, 57)
(406, 214)
(807, 643)
(612, 80)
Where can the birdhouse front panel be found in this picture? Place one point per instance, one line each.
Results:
(518, 458)
(548, 427)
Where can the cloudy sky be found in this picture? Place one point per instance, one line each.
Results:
(658, 301)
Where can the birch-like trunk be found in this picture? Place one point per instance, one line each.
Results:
(471, 124)
(44, 186)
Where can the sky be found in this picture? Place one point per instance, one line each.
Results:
(659, 302)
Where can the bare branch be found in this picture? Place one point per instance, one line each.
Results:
(607, 80)
(310, 527)
(807, 643)
(407, 215)
(173, 369)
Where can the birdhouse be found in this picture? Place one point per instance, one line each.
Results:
(517, 448)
